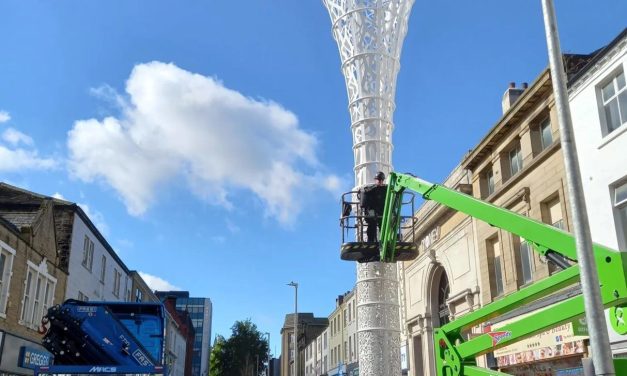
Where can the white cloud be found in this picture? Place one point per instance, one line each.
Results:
(182, 127)
(4, 116)
(14, 137)
(59, 196)
(14, 158)
(157, 283)
(96, 218)
(20, 159)
(108, 94)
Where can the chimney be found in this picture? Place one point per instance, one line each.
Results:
(511, 95)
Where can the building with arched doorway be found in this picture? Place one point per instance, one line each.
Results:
(465, 263)
(442, 282)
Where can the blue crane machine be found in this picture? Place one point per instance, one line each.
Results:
(104, 337)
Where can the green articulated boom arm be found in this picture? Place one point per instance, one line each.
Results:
(455, 355)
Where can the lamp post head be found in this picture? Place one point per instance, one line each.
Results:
(293, 284)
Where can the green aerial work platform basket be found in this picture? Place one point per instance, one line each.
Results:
(354, 222)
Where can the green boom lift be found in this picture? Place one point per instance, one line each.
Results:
(455, 355)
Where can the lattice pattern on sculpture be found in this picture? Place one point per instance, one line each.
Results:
(369, 35)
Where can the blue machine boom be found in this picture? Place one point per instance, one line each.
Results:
(105, 333)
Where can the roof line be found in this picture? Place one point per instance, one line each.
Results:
(77, 209)
(598, 54)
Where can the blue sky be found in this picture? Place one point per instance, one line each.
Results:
(209, 140)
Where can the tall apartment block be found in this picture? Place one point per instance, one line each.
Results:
(200, 311)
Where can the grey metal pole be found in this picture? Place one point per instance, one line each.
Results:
(599, 338)
(295, 285)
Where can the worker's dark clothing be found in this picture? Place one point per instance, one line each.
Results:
(372, 204)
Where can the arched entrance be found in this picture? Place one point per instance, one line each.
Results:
(443, 292)
(440, 290)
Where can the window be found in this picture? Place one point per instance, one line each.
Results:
(350, 347)
(345, 318)
(546, 137)
(88, 253)
(515, 160)
(494, 249)
(526, 260)
(116, 282)
(614, 100)
(487, 183)
(552, 214)
(139, 296)
(83, 297)
(349, 311)
(324, 340)
(345, 351)
(103, 269)
(39, 289)
(620, 207)
(6, 267)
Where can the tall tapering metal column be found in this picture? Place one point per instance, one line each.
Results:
(370, 34)
(599, 338)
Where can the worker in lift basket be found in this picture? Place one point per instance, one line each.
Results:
(373, 203)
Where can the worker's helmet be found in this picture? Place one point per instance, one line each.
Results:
(379, 176)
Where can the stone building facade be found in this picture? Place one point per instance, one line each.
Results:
(50, 251)
(309, 329)
(465, 263)
(140, 291)
(30, 282)
(442, 282)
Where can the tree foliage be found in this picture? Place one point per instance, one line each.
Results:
(242, 354)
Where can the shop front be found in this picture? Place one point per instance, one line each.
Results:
(19, 356)
(555, 352)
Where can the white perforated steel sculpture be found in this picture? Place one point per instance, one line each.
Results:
(370, 34)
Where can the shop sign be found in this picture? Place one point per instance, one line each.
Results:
(431, 237)
(13, 355)
(577, 371)
(549, 344)
(32, 358)
(580, 327)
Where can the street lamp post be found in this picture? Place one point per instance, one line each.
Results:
(295, 285)
(599, 338)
